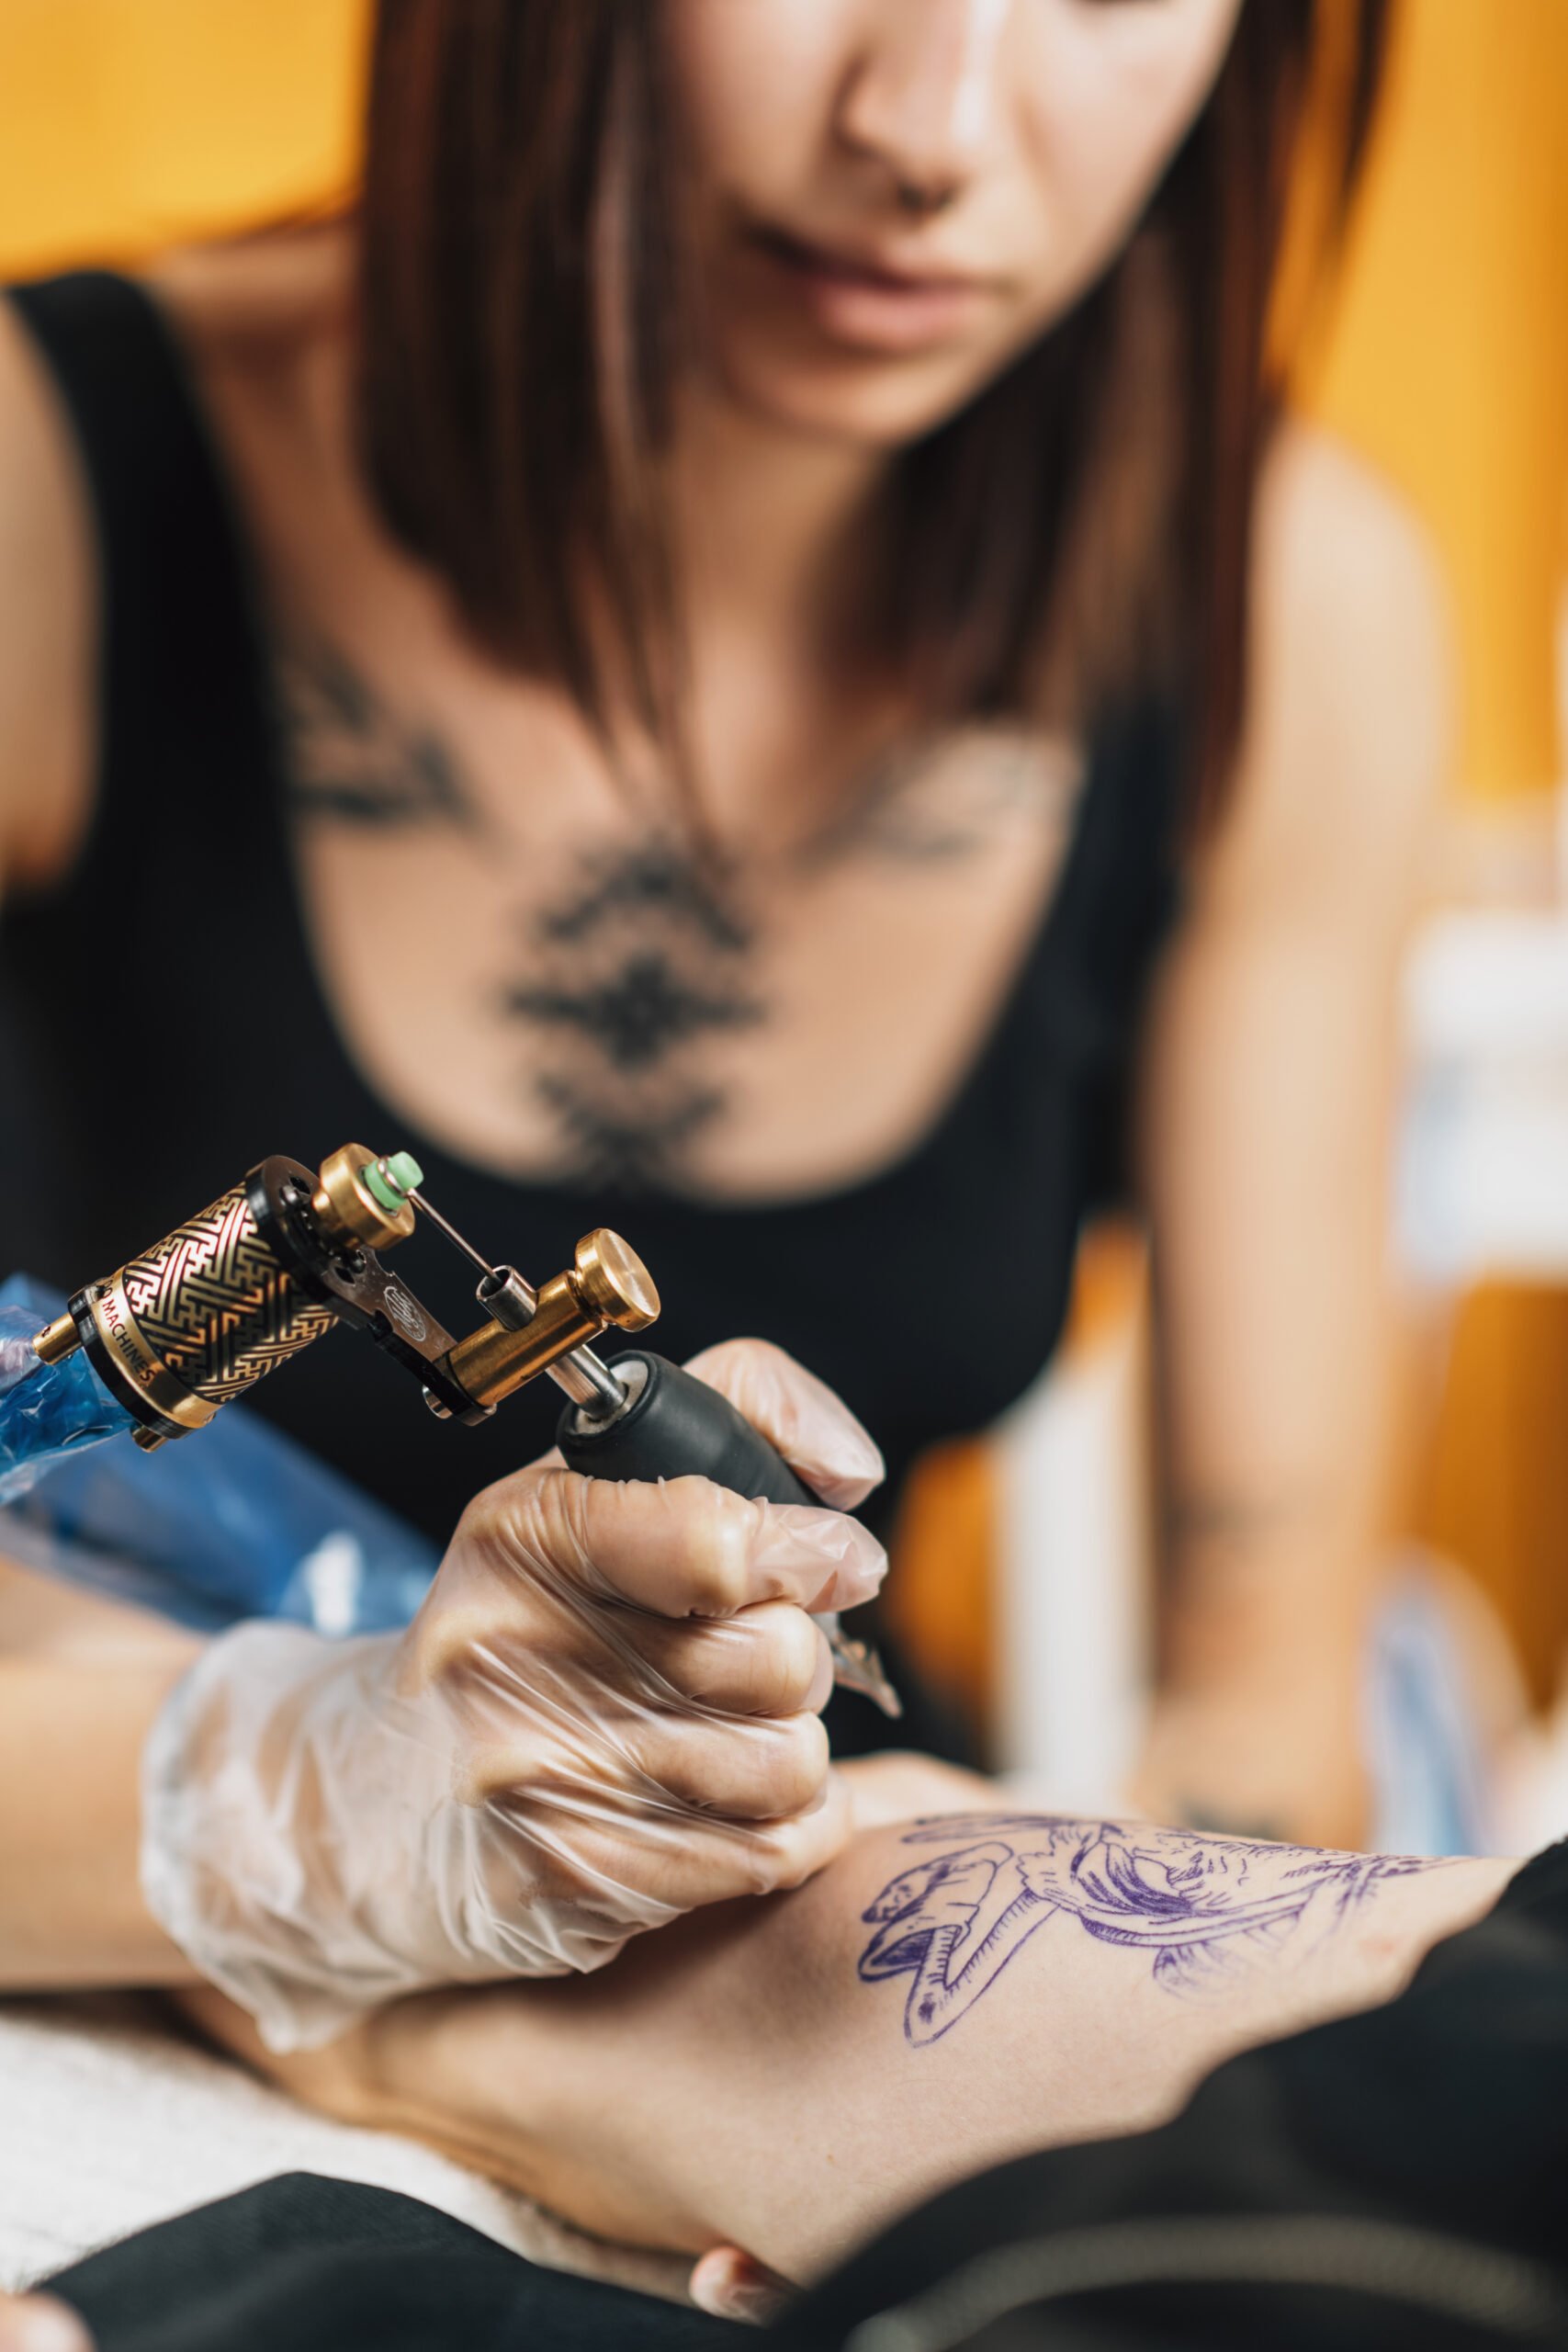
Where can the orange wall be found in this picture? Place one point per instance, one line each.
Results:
(1449, 363)
(127, 124)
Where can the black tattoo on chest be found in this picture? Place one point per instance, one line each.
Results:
(625, 974)
(1204, 1909)
(929, 803)
(350, 759)
(637, 1016)
(628, 976)
(637, 967)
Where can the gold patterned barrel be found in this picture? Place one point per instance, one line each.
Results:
(195, 1320)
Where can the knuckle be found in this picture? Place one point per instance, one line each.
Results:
(792, 1655)
(718, 1550)
(443, 1640)
(548, 1526)
(480, 1636)
(501, 1539)
(802, 1762)
(757, 1770)
(796, 1851)
(490, 1517)
(484, 1774)
(754, 1861)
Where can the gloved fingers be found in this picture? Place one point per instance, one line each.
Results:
(769, 1659)
(813, 1428)
(683, 1548)
(498, 1665)
(676, 1862)
(763, 1858)
(752, 1768)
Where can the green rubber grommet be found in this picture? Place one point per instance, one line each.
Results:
(391, 1183)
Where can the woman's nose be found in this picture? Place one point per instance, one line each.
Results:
(921, 95)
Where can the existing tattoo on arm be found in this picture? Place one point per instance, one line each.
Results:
(1206, 1909)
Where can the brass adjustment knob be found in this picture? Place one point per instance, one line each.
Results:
(608, 1284)
(611, 1282)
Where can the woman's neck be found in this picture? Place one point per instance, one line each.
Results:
(771, 525)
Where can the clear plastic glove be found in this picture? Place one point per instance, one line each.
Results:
(605, 1715)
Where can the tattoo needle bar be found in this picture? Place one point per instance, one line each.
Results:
(514, 1304)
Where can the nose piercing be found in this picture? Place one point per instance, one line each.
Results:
(924, 199)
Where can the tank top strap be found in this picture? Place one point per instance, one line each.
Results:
(1078, 1008)
(178, 646)
(1119, 891)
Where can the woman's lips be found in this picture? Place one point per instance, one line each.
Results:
(870, 304)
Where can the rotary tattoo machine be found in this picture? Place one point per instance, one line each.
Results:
(284, 1257)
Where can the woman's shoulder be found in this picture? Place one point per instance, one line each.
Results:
(1338, 543)
(45, 646)
(1350, 661)
(256, 305)
(244, 322)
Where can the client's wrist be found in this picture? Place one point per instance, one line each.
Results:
(469, 2071)
(1414, 1913)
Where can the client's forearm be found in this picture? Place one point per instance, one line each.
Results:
(787, 2075)
(81, 1682)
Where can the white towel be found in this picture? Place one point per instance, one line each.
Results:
(109, 2121)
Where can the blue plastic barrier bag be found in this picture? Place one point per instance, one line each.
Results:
(236, 1521)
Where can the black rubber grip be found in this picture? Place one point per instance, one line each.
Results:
(677, 1428)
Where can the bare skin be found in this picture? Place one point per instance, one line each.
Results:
(81, 1684)
(870, 937)
(40, 2323)
(784, 2078)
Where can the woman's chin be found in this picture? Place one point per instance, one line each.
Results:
(870, 402)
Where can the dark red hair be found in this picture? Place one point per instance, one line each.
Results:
(1080, 529)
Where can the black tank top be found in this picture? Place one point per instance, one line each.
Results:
(161, 1027)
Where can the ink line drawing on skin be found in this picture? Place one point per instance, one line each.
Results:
(1206, 1908)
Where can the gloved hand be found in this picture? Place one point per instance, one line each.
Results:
(605, 1715)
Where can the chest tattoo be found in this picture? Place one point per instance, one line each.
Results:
(642, 957)
(639, 963)
(940, 802)
(352, 761)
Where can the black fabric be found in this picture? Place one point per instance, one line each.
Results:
(162, 1016)
(1423, 2146)
(306, 2264)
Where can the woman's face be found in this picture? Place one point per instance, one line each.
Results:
(892, 198)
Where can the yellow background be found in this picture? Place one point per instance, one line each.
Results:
(127, 124)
